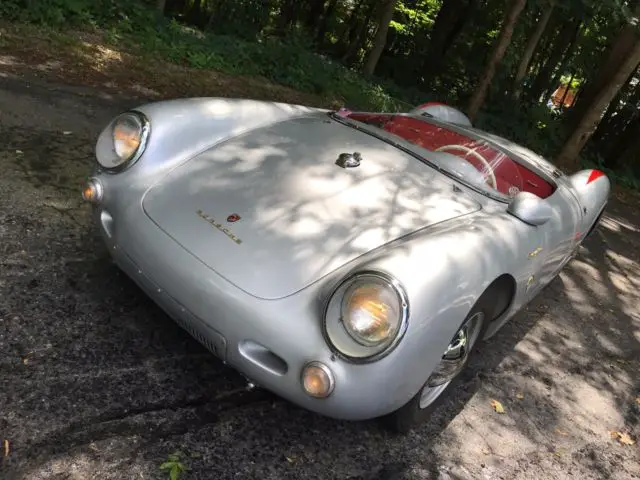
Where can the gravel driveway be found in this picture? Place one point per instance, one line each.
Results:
(96, 382)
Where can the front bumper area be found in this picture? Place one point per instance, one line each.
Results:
(201, 331)
(268, 341)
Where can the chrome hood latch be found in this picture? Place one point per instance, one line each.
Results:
(349, 160)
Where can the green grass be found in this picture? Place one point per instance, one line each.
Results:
(289, 63)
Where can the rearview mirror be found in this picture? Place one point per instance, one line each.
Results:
(530, 208)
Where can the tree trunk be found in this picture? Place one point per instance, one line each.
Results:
(194, 15)
(358, 35)
(350, 26)
(478, 97)
(625, 151)
(160, 5)
(314, 15)
(623, 44)
(449, 22)
(386, 14)
(287, 15)
(322, 26)
(565, 39)
(568, 156)
(530, 49)
(632, 107)
(566, 59)
(566, 91)
(609, 124)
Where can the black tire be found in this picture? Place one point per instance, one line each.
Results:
(411, 415)
(595, 224)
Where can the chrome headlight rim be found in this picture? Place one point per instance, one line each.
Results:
(145, 131)
(336, 296)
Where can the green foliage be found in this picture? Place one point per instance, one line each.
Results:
(277, 40)
(289, 63)
(534, 126)
(173, 466)
(67, 13)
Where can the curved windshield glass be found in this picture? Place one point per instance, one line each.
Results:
(492, 170)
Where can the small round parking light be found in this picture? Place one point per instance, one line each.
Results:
(92, 191)
(317, 380)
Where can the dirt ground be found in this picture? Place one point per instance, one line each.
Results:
(96, 382)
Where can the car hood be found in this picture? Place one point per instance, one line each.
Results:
(272, 212)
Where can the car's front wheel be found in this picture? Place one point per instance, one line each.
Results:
(443, 378)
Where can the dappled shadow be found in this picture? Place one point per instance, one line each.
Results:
(92, 364)
(574, 378)
(85, 59)
(302, 216)
(99, 379)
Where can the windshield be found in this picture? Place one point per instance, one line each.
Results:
(472, 161)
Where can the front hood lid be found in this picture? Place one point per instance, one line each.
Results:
(272, 212)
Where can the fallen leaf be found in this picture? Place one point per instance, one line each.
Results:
(289, 459)
(638, 400)
(623, 438)
(519, 395)
(25, 360)
(561, 432)
(66, 132)
(497, 406)
(5, 443)
(19, 152)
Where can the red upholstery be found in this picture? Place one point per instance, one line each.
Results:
(432, 137)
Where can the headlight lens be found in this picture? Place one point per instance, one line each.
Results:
(371, 312)
(366, 316)
(129, 134)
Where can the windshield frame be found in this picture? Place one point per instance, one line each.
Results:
(410, 148)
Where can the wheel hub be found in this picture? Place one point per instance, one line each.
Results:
(455, 356)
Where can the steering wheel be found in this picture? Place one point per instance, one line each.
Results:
(473, 152)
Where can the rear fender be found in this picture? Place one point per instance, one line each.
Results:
(592, 188)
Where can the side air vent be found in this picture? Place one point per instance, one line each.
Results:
(263, 357)
(216, 344)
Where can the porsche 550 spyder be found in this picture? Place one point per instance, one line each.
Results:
(347, 261)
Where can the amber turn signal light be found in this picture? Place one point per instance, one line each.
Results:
(92, 191)
(317, 380)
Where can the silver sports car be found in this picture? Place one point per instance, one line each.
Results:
(347, 261)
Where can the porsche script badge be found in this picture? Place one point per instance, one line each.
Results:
(219, 226)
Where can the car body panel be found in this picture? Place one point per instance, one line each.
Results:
(299, 215)
(445, 260)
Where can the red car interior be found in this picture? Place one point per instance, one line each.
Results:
(508, 173)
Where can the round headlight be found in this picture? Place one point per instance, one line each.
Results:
(366, 316)
(371, 312)
(129, 134)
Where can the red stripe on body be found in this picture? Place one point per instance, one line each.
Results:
(595, 174)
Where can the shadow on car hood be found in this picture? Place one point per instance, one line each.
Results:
(272, 212)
